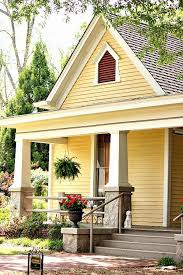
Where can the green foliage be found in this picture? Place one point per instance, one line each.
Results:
(12, 229)
(159, 18)
(33, 227)
(166, 261)
(180, 264)
(2, 239)
(54, 232)
(34, 83)
(39, 180)
(6, 181)
(7, 150)
(66, 168)
(55, 245)
(4, 215)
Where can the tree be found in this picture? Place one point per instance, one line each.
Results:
(35, 83)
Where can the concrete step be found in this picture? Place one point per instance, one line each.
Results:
(152, 232)
(144, 238)
(139, 246)
(132, 253)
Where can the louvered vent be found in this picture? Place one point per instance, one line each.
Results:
(107, 68)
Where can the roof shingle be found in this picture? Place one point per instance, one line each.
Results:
(165, 75)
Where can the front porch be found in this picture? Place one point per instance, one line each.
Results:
(148, 160)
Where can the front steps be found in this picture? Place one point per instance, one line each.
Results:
(140, 243)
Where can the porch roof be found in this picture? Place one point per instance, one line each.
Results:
(30, 119)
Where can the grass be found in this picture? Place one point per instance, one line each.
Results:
(23, 245)
(11, 251)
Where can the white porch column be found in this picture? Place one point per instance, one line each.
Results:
(118, 179)
(21, 187)
(118, 164)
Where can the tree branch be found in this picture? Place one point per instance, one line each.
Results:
(10, 76)
(13, 37)
(4, 12)
(6, 33)
(30, 25)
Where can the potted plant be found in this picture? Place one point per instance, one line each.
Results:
(75, 205)
(67, 168)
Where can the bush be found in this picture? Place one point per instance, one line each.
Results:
(54, 232)
(2, 240)
(12, 229)
(6, 181)
(39, 180)
(4, 215)
(166, 261)
(40, 204)
(55, 245)
(33, 226)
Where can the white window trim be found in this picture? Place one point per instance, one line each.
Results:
(99, 56)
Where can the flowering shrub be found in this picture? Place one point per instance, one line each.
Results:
(39, 180)
(73, 202)
(6, 180)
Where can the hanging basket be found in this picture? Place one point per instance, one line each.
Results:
(67, 168)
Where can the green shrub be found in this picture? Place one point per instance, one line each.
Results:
(54, 232)
(55, 245)
(2, 240)
(12, 229)
(166, 261)
(4, 214)
(43, 244)
(180, 264)
(40, 204)
(22, 241)
(6, 181)
(39, 179)
(33, 226)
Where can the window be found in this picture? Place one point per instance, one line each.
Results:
(107, 68)
(107, 65)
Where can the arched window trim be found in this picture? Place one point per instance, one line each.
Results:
(99, 56)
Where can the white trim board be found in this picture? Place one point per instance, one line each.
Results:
(166, 186)
(12, 122)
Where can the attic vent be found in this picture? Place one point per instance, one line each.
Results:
(107, 68)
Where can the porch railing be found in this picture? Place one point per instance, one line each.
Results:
(180, 216)
(58, 210)
(91, 213)
(100, 206)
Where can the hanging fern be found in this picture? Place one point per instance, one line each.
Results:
(66, 168)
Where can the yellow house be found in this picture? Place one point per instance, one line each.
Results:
(120, 116)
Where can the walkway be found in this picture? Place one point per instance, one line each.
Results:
(71, 261)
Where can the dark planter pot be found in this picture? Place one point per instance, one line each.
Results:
(75, 216)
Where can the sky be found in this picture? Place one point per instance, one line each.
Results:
(57, 34)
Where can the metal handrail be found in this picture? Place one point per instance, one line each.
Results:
(180, 216)
(97, 208)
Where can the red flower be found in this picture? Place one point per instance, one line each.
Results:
(181, 199)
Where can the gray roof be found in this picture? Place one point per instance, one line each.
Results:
(166, 76)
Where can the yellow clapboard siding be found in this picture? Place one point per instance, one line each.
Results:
(176, 177)
(146, 162)
(132, 84)
(78, 147)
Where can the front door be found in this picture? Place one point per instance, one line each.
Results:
(103, 151)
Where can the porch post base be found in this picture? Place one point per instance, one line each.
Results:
(179, 249)
(19, 202)
(111, 210)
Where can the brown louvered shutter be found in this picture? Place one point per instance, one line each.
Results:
(106, 68)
